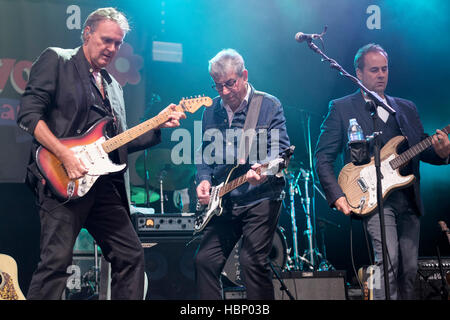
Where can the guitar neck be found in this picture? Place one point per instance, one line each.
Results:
(230, 186)
(406, 156)
(133, 133)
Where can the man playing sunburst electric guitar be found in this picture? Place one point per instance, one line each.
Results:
(402, 207)
(69, 92)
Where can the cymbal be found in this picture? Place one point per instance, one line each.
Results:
(138, 195)
(160, 166)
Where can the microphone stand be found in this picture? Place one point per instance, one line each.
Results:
(443, 290)
(377, 101)
(283, 286)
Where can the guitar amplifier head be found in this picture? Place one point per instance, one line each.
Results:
(429, 279)
(429, 266)
(170, 224)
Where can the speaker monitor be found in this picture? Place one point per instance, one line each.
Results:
(320, 285)
(169, 265)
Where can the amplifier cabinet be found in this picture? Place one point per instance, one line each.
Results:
(169, 265)
(318, 285)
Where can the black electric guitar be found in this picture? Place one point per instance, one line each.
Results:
(214, 207)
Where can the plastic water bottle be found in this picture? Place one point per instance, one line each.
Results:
(355, 132)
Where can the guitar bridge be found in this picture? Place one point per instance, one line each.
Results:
(362, 184)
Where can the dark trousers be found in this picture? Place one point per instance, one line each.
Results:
(102, 212)
(257, 225)
(402, 228)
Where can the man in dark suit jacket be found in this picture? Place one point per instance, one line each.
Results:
(67, 93)
(403, 207)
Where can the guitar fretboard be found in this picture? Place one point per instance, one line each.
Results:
(130, 134)
(230, 186)
(404, 157)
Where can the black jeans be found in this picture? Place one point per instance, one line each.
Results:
(102, 212)
(257, 225)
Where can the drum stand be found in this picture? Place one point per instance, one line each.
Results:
(317, 261)
(309, 228)
(297, 261)
(307, 202)
(162, 175)
(97, 268)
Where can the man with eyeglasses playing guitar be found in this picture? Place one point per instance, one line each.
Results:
(250, 207)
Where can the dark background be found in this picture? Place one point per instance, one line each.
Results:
(414, 33)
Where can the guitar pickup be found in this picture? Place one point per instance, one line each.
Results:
(362, 184)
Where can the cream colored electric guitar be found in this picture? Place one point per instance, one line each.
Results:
(359, 183)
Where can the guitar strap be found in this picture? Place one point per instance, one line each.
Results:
(249, 132)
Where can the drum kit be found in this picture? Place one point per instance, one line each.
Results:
(312, 259)
(282, 258)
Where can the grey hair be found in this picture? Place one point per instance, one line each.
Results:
(102, 14)
(359, 57)
(227, 60)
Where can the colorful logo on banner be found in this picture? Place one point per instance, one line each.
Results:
(16, 71)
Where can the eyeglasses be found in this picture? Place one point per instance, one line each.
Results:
(229, 84)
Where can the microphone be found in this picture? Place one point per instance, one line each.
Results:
(300, 36)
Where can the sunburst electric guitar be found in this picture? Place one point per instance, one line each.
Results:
(9, 285)
(93, 148)
(214, 207)
(359, 183)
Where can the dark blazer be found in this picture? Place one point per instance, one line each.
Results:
(60, 93)
(215, 124)
(333, 140)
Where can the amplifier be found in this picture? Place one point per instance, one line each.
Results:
(430, 265)
(429, 282)
(168, 223)
(317, 285)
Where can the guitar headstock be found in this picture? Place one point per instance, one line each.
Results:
(275, 166)
(286, 155)
(193, 104)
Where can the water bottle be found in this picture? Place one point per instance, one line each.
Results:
(355, 132)
(359, 150)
